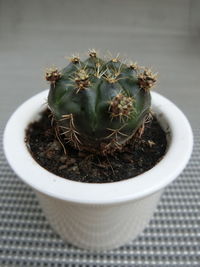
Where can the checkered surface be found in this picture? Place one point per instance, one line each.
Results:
(171, 239)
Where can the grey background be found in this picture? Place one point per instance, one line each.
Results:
(164, 34)
(161, 34)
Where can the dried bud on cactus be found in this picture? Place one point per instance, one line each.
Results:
(134, 66)
(92, 53)
(147, 79)
(52, 75)
(75, 59)
(98, 106)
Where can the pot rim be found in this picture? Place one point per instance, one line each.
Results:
(164, 172)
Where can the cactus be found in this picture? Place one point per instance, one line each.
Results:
(99, 105)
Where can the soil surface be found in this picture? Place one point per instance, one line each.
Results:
(138, 156)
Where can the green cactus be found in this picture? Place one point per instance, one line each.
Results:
(98, 106)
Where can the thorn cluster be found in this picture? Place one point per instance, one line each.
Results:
(121, 106)
(75, 59)
(115, 59)
(134, 66)
(52, 75)
(98, 73)
(92, 53)
(81, 79)
(147, 79)
(110, 77)
(70, 132)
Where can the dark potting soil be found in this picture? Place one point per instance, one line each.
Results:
(137, 157)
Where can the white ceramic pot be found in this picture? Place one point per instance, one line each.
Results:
(99, 216)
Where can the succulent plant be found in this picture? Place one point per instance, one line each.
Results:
(99, 105)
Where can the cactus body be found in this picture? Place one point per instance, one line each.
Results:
(98, 106)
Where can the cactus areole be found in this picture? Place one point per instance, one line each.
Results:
(99, 105)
